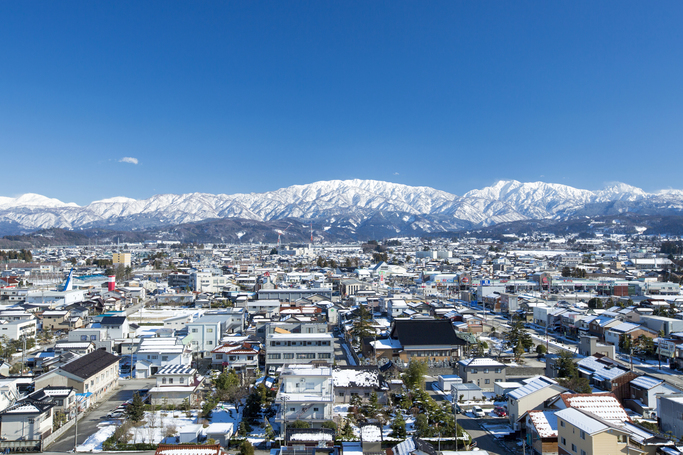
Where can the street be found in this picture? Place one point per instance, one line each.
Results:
(88, 424)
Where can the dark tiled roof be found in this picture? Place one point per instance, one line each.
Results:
(90, 364)
(113, 320)
(425, 332)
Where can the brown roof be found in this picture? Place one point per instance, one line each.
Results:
(90, 364)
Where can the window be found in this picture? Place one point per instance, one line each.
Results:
(30, 420)
(573, 448)
(341, 394)
(209, 342)
(562, 423)
(163, 380)
(288, 355)
(621, 438)
(315, 409)
(487, 381)
(582, 434)
(324, 356)
(182, 380)
(154, 357)
(93, 337)
(274, 356)
(194, 330)
(367, 394)
(209, 330)
(486, 370)
(170, 380)
(219, 356)
(474, 371)
(164, 358)
(499, 370)
(564, 442)
(84, 337)
(583, 452)
(305, 355)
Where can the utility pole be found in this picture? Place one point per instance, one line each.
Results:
(455, 416)
(76, 427)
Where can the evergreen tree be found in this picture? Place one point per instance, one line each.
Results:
(398, 426)
(135, 411)
(246, 448)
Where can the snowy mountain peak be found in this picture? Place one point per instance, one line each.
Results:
(344, 201)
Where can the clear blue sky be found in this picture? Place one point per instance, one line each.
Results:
(249, 96)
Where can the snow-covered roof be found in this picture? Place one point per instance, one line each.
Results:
(604, 369)
(532, 386)
(604, 406)
(646, 382)
(370, 433)
(581, 421)
(545, 423)
(481, 362)
(311, 437)
(355, 377)
(625, 327)
(387, 343)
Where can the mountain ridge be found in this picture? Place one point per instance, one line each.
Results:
(343, 204)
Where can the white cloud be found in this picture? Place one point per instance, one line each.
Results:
(128, 159)
(395, 173)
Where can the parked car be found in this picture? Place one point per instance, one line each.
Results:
(115, 414)
(500, 411)
(478, 412)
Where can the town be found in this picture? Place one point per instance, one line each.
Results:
(532, 344)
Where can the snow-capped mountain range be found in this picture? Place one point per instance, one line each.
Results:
(343, 204)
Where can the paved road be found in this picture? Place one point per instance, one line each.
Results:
(88, 424)
(484, 440)
(340, 355)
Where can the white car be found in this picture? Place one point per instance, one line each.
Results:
(478, 412)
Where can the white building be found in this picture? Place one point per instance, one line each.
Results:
(306, 393)
(14, 330)
(298, 348)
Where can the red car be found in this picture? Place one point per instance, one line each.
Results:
(500, 412)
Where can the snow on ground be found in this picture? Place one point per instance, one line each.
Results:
(95, 440)
(156, 423)
(349, 357)
(497, 430)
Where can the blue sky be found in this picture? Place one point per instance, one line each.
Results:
(228, 97)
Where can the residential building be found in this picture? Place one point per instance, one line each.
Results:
(426, 340)
(670, 410)
(582, 433)
(644, 392)
(484, 372)
(26, 420)
(531, 396)
(175, 384)
(17, 329)
(54, 320)
(95, 373)
(306, 393)
(155, 353)
(361, 381)
(243, 357)
(298, 348)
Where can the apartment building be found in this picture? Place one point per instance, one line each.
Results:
(306, 393)
(298, 348)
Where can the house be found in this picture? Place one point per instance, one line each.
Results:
(189, 449)
(306, 393)
(77, 347)
(541, 431)
(426, 340)
(98, 336)
(116, 326)
(484, 372)
(644, 392)
(629, 329)
(581, 432)
(95, 373)
(26, 420)
(598, 326)
(606, 374)
(414, 446)
(178, 322)
(175, 384)
(242, 357)
(63, 399)
(361, 381)
(156, 353)
(603, 405)
(206, 333)
(669, 412)
(54, 320)
(531, 396)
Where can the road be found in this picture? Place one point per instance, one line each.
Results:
(340, 356)
(88, 424)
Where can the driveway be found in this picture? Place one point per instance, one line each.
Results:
(88, 424)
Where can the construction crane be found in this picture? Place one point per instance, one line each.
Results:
(279, 233)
